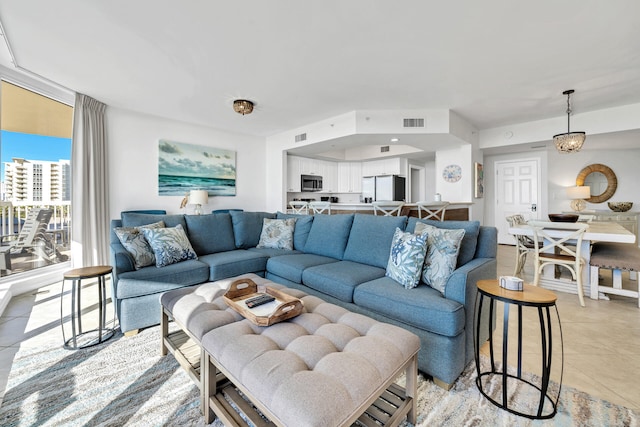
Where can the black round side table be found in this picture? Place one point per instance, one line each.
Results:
(80, 339)
(541, 300)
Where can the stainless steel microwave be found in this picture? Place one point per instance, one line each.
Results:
(310, 183)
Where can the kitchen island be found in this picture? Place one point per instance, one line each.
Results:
(455, 211)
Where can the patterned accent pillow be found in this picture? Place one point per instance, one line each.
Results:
(407, 257)
(170, 245)
(443, 247)
(133, 240)
(277, 233)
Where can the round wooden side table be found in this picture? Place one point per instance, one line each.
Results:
(541, 300)
(80, 339)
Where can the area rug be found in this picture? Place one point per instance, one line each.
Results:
(125, 382)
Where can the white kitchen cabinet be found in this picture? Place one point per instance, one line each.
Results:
(393, 166)
(349, 177)
(293, 174)
(329, 173)
(310, 166)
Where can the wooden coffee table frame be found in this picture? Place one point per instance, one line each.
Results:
(389, 404)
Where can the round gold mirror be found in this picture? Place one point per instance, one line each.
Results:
(600, 179)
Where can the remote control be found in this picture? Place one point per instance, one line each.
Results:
(259, 300)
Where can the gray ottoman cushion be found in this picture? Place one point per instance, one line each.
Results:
(317, 368)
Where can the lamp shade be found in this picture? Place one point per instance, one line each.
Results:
(579, 192)
(198, 197)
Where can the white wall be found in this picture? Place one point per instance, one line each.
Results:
(133, 163)
(559, 171)
(564, 168)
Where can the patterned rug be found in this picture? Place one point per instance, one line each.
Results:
(125, 382)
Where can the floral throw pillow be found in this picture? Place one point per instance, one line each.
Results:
(170, 245)
(406, 258)
(277, 233)
(133, 240)
(443, 247)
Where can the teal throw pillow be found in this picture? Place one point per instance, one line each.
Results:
(133, 240)
(406, 258)
(443, 247)
(170, 245)
(277, 233)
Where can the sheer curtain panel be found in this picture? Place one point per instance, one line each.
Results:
(89, 184)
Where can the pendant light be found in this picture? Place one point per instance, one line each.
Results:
(570, 142)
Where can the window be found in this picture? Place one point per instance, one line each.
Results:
(35, 195)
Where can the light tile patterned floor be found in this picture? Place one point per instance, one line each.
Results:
(601, 341)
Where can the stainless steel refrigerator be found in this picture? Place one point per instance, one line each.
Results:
(390, 187)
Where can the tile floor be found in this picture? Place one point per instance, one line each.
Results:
(601, 341)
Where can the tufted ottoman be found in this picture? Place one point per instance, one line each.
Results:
(325, 367)
(197, 310)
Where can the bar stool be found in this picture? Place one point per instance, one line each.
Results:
(94, 336)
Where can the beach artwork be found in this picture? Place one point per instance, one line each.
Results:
(184, 167)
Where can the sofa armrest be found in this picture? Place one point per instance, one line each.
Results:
(461, 286)
(121, 259)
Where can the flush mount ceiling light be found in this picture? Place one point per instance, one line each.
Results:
(242, 106)
(570, 142)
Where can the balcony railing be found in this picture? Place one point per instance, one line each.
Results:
(24, 250)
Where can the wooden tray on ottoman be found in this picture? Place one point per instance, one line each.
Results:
(243, 289)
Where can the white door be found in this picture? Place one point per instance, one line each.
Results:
(517, 192)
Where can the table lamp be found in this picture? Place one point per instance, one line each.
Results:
(577, 195)
(198, 198)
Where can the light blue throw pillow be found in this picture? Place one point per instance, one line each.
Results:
(406, 258)
(133, 240)
(443, 247)
(277, 233)
(170, 245)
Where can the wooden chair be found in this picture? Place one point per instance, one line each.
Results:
(524, 244)
(617, 257)
(551, 250)
(432, 210)
(320, 208)
(387, 207)
(298, 207)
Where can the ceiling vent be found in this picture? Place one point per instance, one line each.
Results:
(413, 123)
(301, 137)
(384, 149)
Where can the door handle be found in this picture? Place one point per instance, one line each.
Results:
(534, 207)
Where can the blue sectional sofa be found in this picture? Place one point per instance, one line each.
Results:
(339, 258)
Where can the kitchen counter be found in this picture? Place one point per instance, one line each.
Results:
(455, 210)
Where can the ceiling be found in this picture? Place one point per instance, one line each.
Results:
(493, 62)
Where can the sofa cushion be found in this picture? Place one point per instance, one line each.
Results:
(132, 219)
(233, 263)
(469, 241)
(170, 245)
(370, 238)
(247, 227)
(290, 267)
(212, 233)
(422, 307)
(443, 247)
(328, 235)
(339, 279)
(184, 273)
(407, 258)
(277, 233)
(301, 231)
(133, 240)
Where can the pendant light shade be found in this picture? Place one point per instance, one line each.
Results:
(570, 142)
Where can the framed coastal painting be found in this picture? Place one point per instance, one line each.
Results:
(184, 167)
(479, 175)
